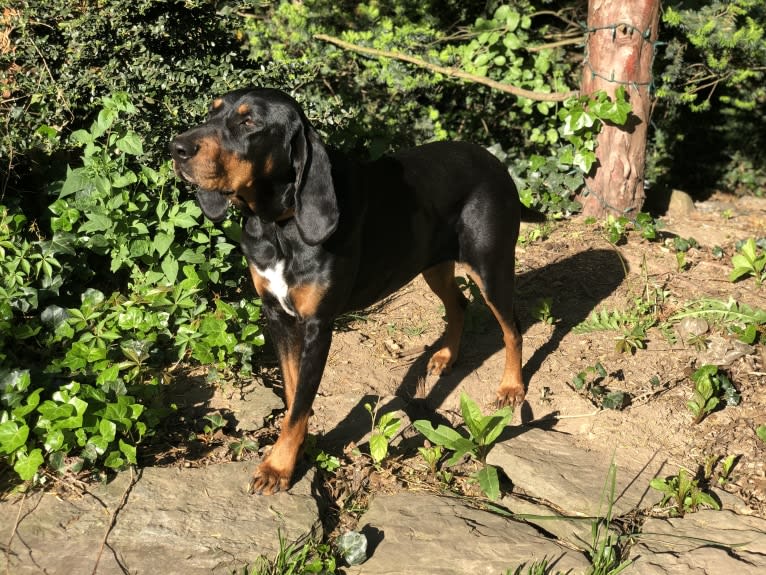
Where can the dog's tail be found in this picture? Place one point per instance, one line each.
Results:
(531, 216)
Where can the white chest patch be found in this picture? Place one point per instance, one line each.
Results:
(277, 286)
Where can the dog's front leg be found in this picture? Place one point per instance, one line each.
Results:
(302, 346)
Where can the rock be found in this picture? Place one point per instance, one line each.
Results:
(424, 533)
(724, 351)
(691, 326)
(548, 466)
(576, 531)
(681, 204)
(190, 521)
(703, 543)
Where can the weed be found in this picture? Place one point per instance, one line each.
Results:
(483, 431)
(539, 567)
(299, 558)
(537, 233)
(590, 383)
(617, 228)
(760, 431)
(431, 454)
(746, 322)
(749, 261)
(237, 448)
(710, 386)
(217, 421)
(382, 432)
(603, 547)
(684, 493)
(320, 458)
(727, 466)
(542, 311)
(632, 340)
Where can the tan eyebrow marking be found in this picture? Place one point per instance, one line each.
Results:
(243, 110)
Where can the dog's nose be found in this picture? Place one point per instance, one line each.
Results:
(182, 149)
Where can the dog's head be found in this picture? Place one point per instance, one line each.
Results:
(257, 151)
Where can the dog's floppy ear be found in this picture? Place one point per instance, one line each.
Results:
(213, 204)
(316, 207)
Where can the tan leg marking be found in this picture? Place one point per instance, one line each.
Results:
(441, 280)
(511, 389)
(275, 472)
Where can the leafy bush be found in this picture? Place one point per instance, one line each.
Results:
(80, 367)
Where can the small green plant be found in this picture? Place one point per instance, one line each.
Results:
(215, 421)
(760, 431)
(616, 228)
(483, 431)
(631, 340)
(539, 567)
(710, 386)
(590, 383)
(683, 492)
(542, 311)
(749, 261)
(431, 454)
(299, 558)
(237, 448)
(383, 431)
(727, 466)
(747, 323)
(320, 458)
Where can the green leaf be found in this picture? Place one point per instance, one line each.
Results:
(27, 465)
(761, 432)
(442, 435)
(107, 429)
(113, 460)
(471, 415)
(12, 436)
(378, 447)
(170, 268)
(130, 143)
(489, 482)
(494, 424)
(33, 400)
(129, 451)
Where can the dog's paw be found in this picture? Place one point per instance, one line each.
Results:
(440, 362)
(510, 395)
(267, 480)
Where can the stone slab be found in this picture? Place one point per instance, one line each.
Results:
(548, 465)
(190, 521)
(703, 543)
(425, 533)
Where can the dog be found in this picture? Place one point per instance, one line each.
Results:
(324, 234)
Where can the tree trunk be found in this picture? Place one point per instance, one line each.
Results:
(619, 52)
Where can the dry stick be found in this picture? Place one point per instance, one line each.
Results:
(113, 518)
(453, 72)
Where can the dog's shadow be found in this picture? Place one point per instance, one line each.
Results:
(575, 284)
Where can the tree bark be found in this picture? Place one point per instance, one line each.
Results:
(620, 52)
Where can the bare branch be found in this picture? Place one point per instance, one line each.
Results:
(451, 72)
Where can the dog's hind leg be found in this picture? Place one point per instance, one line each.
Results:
(441, 279)
(496, 286)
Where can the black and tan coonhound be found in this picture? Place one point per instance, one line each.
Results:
(324, 235)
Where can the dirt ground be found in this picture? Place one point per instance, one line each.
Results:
(382, 352)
